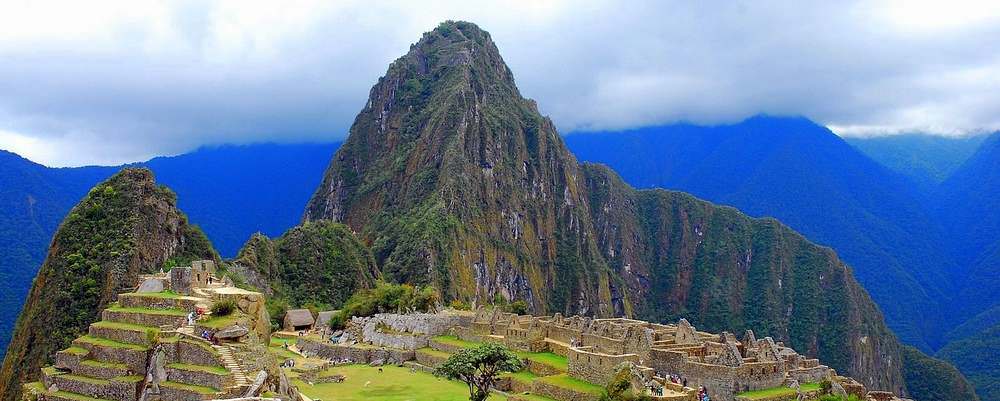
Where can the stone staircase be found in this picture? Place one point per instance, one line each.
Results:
(240, 380)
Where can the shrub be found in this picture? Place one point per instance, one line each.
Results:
(517, 307)
(338, 321)
(390, 298)
(223, 308)
(459, 305)
(276, 309)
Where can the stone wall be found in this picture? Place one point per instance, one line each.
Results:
(134, 359)
(585, 363)
(144, 337)
(143, 319)
(353, 353)
(199, 378)
(192, 352)
(542, 388)
(155, 302)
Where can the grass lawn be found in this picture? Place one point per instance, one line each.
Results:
(216, 370)
(778, 391)
(219, 322)
(568, 382)
(557, 361)
(203, 390)
(394, 384)
(523, 376)
(455, 341)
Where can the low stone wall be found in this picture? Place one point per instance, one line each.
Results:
(154, 302)
(809, 395)
(178, 394)
(193, 352)
(594, 367)
(134, 359)
(110, 390)
(811, 375)
(143, 319)
(443, 347)
(429, 359)
(354, 353)
(560, 393)
(541, 369)
(199, 378)
(557, 348)
(141, 337)
(101, 371)
(67, 360)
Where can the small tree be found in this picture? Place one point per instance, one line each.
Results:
(479, 368)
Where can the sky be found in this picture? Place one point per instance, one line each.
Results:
(108, 82)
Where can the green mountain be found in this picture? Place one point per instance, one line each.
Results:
(124, 226)
(456, 180)
(927, 159)
(315, 264)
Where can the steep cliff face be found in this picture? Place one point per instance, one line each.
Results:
(456, 179)
(125, 226)
(684, 257)
(317, 263)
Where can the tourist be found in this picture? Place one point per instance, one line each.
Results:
(191, 319)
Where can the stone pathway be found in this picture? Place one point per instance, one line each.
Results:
(240, 379)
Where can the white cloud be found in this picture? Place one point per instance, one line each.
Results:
(102, 82)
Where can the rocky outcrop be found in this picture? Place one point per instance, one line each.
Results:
(125, 226)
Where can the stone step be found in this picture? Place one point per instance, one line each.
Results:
(125, 388)
(124, 332)
(175, 391)
(161, 300)
(68, 396)
(201, 375)
(106, 350)
(173, 318)
(102, 370)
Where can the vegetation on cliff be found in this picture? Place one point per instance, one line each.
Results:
(316, 264)
(125, 226)
(933, 379)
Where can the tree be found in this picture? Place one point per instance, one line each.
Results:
(479, 368)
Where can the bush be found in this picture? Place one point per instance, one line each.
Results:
(517, 307)
(338, 321)
(390, 298)
(620, 388)
(223, 308)
(276, 310)
(459, 305)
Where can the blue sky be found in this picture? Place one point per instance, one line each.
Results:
(110, 82)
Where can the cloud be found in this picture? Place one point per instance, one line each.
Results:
(121, 81)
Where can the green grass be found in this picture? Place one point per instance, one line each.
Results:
(533, 397)
(433, 352)
(37, 386)
(455, 341)
(565, 381)
(104, 342)
(777, 391)
(279, 341)
(215, 370)
(557, 361)
(219, 322)
(196, 389)
(394, 384)
(128, 379)
(102, 364)
(75, 396)
(523, 376)
(165, 294)
(85, 379)
(150, 311)
(124, 326)
(76, 351)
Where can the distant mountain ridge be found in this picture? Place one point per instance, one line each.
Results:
(927, 159)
